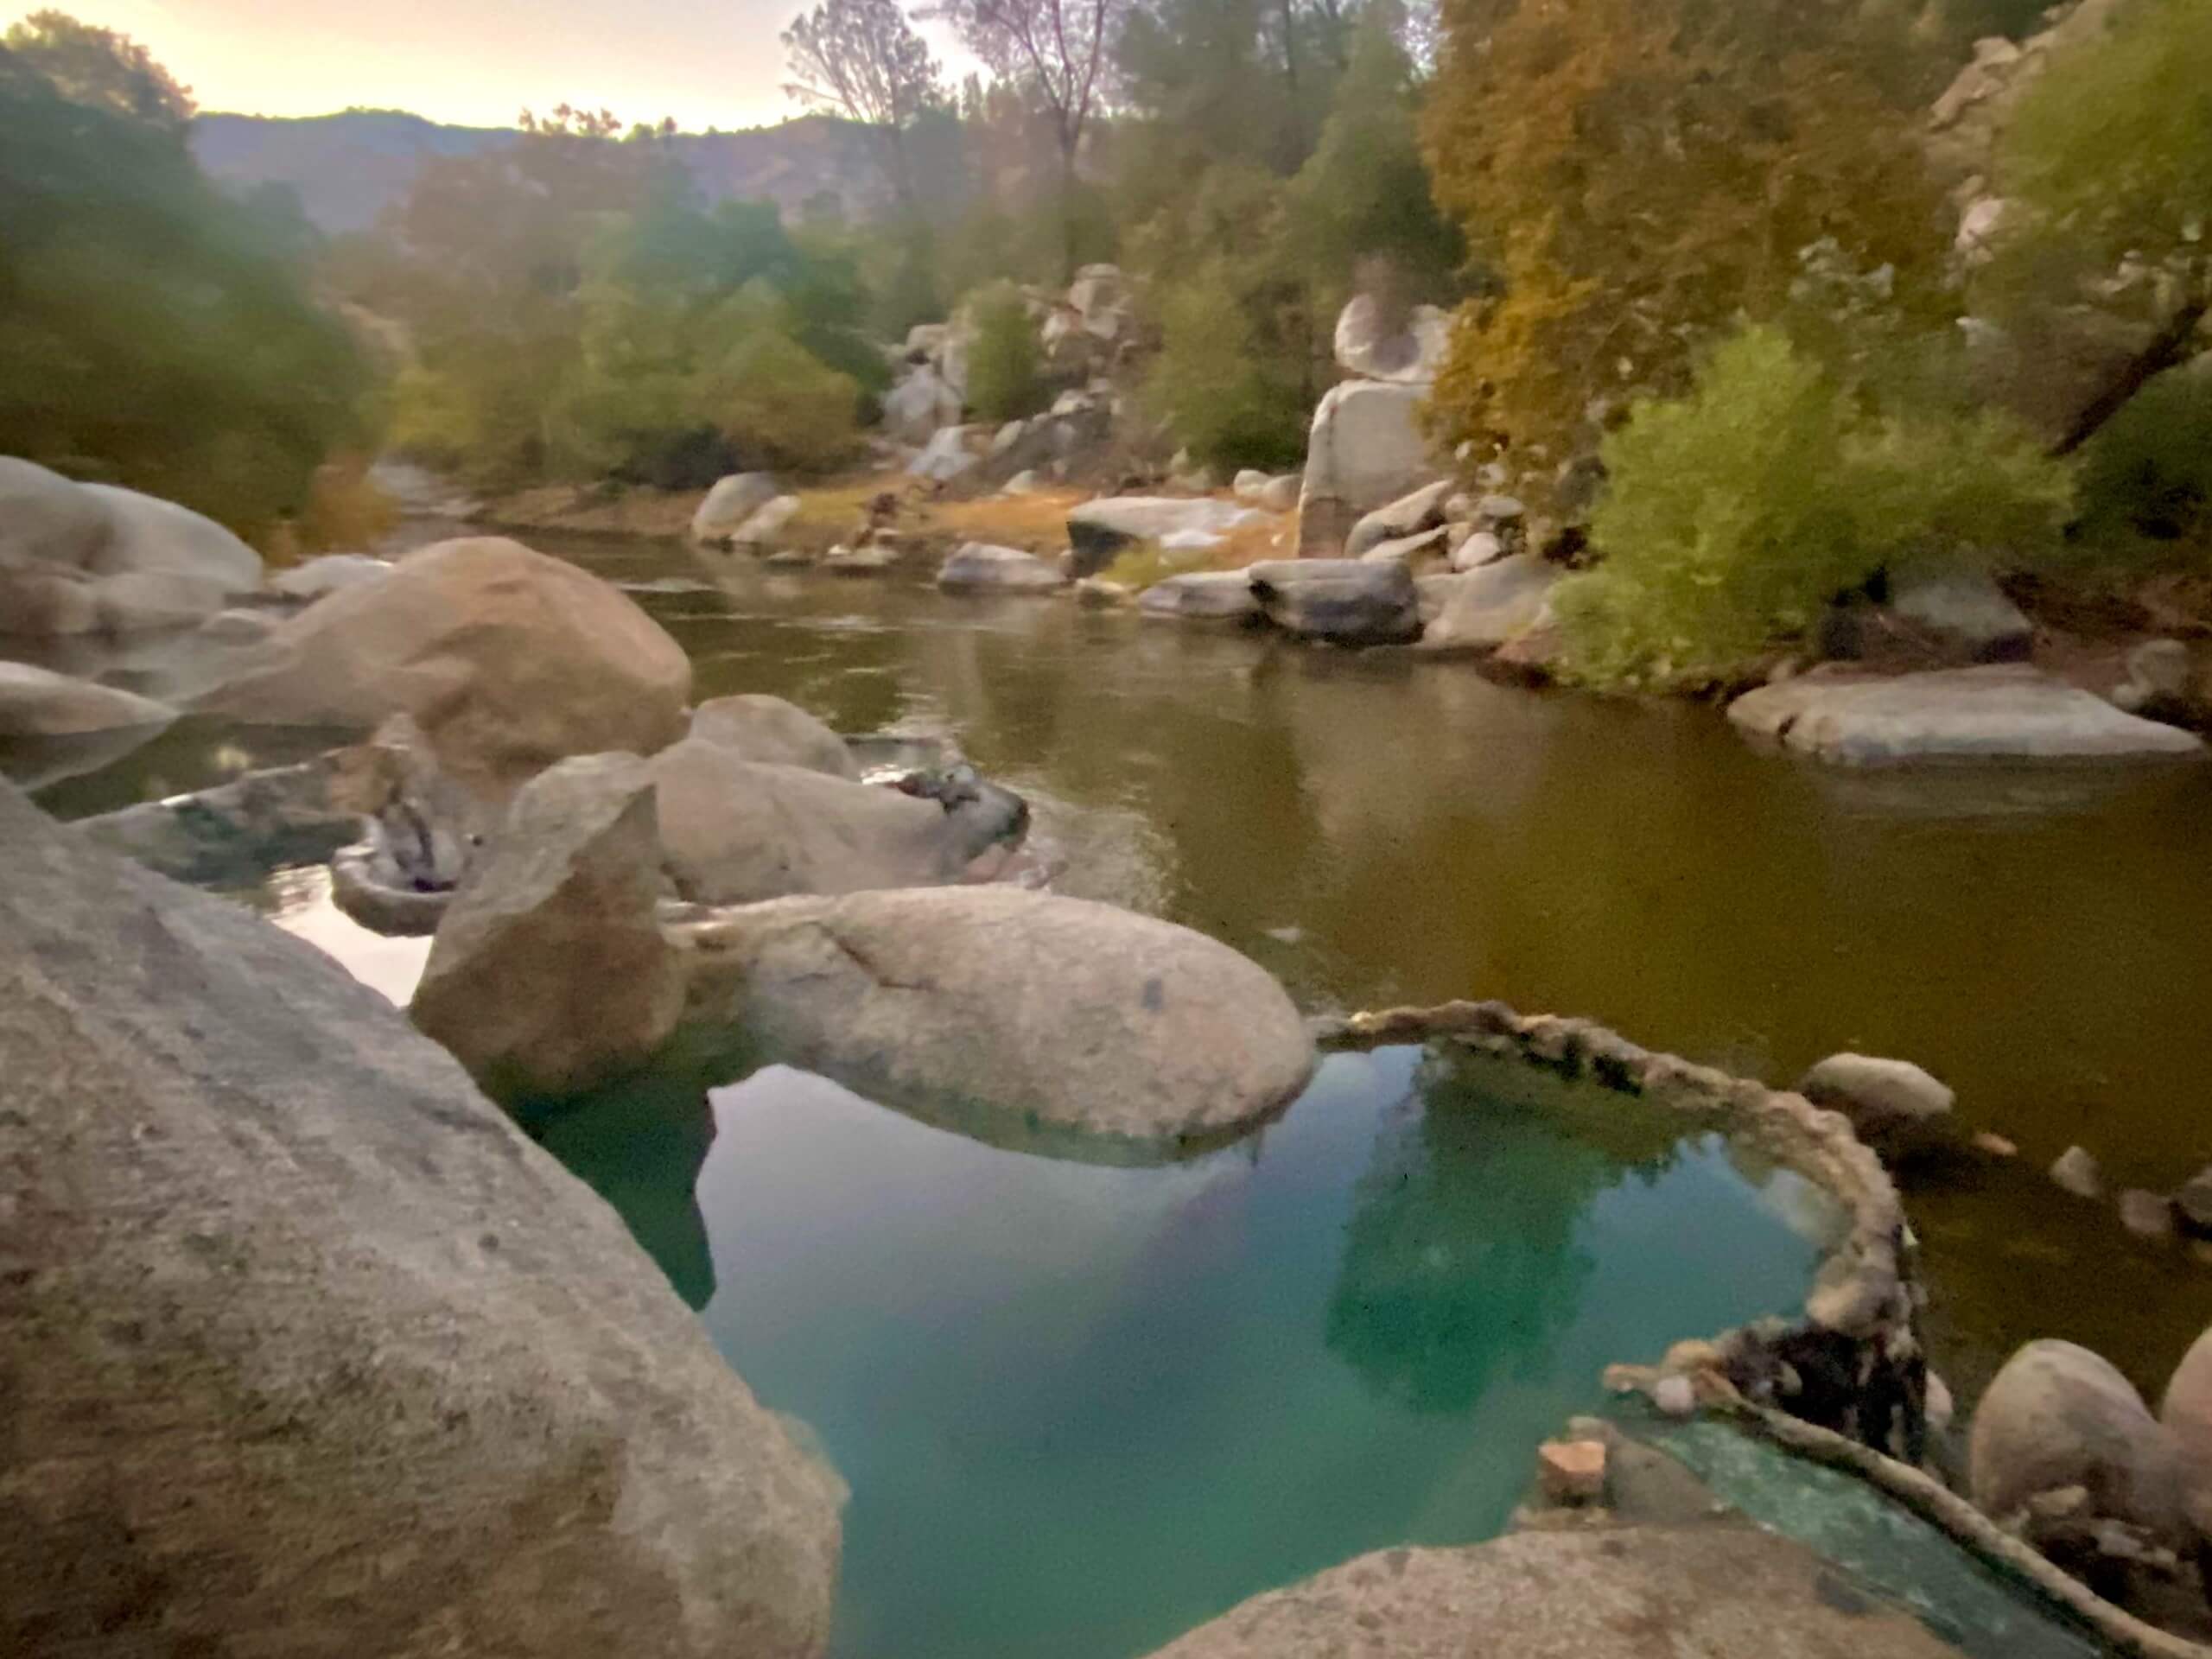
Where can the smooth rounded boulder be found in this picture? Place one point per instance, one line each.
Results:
(549, 973)
(2186, 1414)
(1340, 602)
(978, 567)
(1893, 1106)
(999, 1011)
(765, 728)
(2058, 1415)
(730, 503)
(319, 1354)
(506, 659)
(93, 558)
(734, 831)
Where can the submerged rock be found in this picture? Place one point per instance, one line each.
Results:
(235, 833)
(507, 660)
(1010, 1006)
(1892, 1105)
(38, 703)
(2058, 1415)
(1999, 712)
(549, 972)
(733, 831)
(87, 558)
(325, 1349)
(1342, 601)
(761, 728)
(979, 566)
(1718, 1591)
(1221, 596)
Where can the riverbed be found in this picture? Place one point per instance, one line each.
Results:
(1378, 828)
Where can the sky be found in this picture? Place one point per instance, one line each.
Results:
(475, 62)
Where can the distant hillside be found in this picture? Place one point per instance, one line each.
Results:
(349, 167)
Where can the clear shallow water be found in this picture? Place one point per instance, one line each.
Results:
(1376, 830)
(1082, 1407)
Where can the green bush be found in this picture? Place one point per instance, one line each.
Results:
(1005, 363)
(779, 404)
(2147, 477)
(1228, 403)
(1733, 516)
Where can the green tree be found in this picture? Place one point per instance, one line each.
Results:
(2106, 170)
(102, 70)
(1643, 174)
(154, 333)
(1231, 404)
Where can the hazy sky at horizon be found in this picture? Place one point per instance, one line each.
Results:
(478, 62)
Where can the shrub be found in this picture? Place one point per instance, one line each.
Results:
(1226, 401)
(1005, 379)
(1733, 515)
(778, 403)
(2147, 477)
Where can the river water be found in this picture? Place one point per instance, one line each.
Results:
(1282, 1326)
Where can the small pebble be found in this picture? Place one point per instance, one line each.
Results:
(2076, 1172)
(1676, 1397)
(1995, 1145)
(1571, 1472)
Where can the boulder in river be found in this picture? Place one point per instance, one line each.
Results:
(319, 1353)
(38, 703)
(762, 728)
(1966, 611)
(1366, 450)
(549, 972)
(733, 831)
(1409, 515)
(507, 660)
(1214, 595)
(990, 1007)
(2058, 1415)
(1717, 1591)
(730, 503)
(1099, 530)
(1478, 611)
(1342, 601)
(1892, 1105)
(91, 558)
(981, 567)
(2006, 711)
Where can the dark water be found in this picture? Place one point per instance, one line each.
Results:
(1083, 1407)
(1378, 830)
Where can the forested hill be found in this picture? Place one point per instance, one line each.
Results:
(349, 167)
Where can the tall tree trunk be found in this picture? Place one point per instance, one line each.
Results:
(2168, 349)
(1068, 140)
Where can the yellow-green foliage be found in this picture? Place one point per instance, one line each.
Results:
(772, 396)
(1006, 378)
(1733, 515)
(1229, 403)
(1643, 174)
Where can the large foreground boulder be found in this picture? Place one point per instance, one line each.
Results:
(1098, 531)
(1999, 712)
(549, 972)
(91, 558)
(1342, 601)
(996, 1006)
(1365, 451)
(734, 831)
(307, 1350)
(2058, 1415)
(507, 661)
(1621, 1592)
(2186, 1413)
